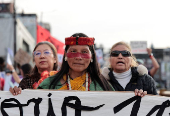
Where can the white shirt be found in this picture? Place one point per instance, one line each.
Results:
(123, 78)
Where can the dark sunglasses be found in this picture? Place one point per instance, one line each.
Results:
(124, 53)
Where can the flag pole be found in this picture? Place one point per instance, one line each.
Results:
(14, 18)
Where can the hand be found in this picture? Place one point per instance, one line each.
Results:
(140, 92)
(10, 67)
(15, 91)
(149, 51)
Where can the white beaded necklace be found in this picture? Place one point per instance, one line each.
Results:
(69, 84)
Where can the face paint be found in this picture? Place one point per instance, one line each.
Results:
(81, 55)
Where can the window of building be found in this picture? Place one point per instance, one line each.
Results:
(25, 47)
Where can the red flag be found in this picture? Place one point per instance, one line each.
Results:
(44, 35)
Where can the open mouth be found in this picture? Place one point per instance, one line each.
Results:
(120, 62)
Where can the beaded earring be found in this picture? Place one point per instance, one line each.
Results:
(65, 58)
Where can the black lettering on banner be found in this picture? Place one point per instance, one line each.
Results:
(77, 106)
(135, 108)
(50, 107)
(161, 108)
(6, 104)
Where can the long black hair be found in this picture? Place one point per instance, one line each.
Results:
(93, 68)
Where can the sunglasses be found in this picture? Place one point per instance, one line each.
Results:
(116, 53)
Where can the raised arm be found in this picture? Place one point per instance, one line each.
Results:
(154, 62)
(14, 74)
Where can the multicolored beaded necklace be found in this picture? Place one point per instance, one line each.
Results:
(87, 82)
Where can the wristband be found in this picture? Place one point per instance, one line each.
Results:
(151, 55)
(13, 70)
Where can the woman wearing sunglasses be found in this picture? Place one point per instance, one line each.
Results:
(124, 74)
(45, 59)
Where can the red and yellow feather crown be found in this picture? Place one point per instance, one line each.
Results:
(79, 41)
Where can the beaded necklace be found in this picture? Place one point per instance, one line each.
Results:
(87, 82)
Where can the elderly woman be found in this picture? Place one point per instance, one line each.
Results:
(124, 75)
(45, 59)
(79, 70)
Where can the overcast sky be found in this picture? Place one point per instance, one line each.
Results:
(109, 21)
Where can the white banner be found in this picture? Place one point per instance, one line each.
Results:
(64, 103)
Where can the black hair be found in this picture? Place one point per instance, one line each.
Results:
(26, 68)
(93, 68)
(1, 61)
(2, 65)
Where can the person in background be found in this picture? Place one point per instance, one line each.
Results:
(25, 69)
(2, 66)
(2, 82)
(45, 59)
(155, 65)
(124, 75)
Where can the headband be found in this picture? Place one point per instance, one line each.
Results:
(79, 41)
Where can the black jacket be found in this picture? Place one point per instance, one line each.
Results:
(144, 82)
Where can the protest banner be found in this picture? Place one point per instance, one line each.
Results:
(99, 54)
(82, 103)
(22, 57)
(138, 47)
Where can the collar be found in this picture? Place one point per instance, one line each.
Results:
(122, 75)
(135, 75)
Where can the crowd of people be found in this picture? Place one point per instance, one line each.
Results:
(80, 69)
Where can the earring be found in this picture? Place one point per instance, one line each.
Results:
(65, 58)
(91, 60)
